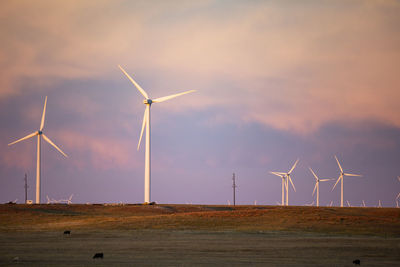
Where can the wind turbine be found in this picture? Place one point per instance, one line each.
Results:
(342, 174)
(39, 134)
(398, 195)
(67, 201)
(146, 123)
(312, 203)
(283, 177)
(317, 180)
(286, 176)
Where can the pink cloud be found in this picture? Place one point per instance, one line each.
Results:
(104, 153)
(292, 67)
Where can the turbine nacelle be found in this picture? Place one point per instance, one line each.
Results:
(39, 132)
(147, 101)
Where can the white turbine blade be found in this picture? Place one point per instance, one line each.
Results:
(350, 174)
(165, 98)
(279, 173)
(316, 177)
(290, 179)
(294, 166)
(143, 92)
(143, 125)
(315, 187)
(398, 196)
(56, 147)
(43, 115)
(336, 182)
(324, 180)
(23, 138)
(340, 167)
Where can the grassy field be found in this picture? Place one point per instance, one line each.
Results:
(187, 235)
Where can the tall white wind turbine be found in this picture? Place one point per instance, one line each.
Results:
(316, 187)
(39, 134)
(146, 123)
(342, 174)
(287, 179)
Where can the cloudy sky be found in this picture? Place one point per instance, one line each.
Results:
(275, 81)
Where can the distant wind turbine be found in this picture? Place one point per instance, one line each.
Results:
(311, 204)
(342, 174)
(398, 195)
(363, 202)
(348, 203)
(146, 122)
(317, 180)
(68, 201)
(286, 176)
(283, 177)
(39, 134)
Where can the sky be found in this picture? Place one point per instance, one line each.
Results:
(275, 81)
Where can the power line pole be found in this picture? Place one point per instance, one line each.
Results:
(26, 188)
(234, 189)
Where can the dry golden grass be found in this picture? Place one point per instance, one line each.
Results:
(198, 235)
(328, 220)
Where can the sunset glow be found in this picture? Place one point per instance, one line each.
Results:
(275, 81)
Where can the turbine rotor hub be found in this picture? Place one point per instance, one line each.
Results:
(147, 101)
(40, 132)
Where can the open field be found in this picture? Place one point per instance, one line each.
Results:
(185, 235)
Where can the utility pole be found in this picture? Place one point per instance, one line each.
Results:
(26, 188)
(234, 189)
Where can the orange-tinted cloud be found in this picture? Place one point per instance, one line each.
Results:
(292, 66)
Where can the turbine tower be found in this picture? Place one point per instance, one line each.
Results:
(39, 134)
(317, 180)
(146, 122)
(286, 176)
(342, 174)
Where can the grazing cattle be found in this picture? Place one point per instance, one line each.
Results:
(67, 232)
(357, 262)
(98, 256)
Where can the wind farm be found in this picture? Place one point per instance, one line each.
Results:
(200, 133)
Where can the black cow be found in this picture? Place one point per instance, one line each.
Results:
(357, 262)
(98, 256)
(67, 232)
